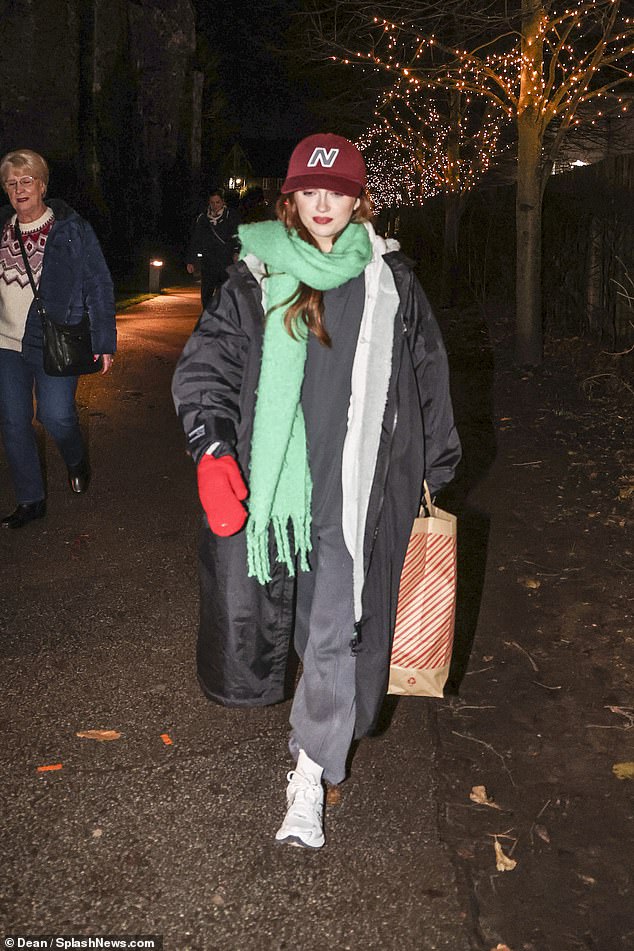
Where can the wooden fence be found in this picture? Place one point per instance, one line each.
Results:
(588, 273)
(588, 249)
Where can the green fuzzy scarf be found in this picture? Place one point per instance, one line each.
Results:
(280, 486)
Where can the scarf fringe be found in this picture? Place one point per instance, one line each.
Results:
(258, 559)
(258, 563)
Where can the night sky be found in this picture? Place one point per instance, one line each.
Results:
(264, 100)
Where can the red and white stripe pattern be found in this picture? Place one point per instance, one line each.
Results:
(423, 636)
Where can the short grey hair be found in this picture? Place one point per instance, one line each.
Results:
(24, 159)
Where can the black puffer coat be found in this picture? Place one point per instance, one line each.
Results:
(245, 628)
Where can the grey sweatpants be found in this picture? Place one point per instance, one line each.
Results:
(323, 712)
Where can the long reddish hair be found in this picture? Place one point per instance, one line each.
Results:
(308, 305)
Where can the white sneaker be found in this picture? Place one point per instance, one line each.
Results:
(304, 823)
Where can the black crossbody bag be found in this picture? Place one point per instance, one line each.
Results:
(67, 348)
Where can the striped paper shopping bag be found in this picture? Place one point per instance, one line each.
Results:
(425, 616)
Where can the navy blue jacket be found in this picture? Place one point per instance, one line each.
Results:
(75, 276)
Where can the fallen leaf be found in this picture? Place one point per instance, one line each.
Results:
(587, 879)
(530, 582)
(623, 770)
(542, 832)
(102, 735)
(479, 794)
(333, 795)
(466, 853)
(502, 862)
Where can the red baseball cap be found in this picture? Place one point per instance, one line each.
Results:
(326, 161)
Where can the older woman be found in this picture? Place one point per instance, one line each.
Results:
(71, 274)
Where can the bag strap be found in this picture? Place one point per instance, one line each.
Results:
(216, 235)
(426, 504)
(36, 296)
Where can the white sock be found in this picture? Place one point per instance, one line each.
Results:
(308, 768)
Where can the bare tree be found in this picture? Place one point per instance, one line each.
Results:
(538, 60)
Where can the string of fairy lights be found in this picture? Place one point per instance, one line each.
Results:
(410, 157)
(564, 57)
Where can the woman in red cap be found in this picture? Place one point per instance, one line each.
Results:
(314, 394)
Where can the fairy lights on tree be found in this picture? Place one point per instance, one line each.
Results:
(419, 147)
(546, 69)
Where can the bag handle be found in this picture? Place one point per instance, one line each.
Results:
(36, 296)
(426, 505)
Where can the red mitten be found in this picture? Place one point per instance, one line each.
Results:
(221, 489)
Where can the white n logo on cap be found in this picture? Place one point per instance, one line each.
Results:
(322, 157)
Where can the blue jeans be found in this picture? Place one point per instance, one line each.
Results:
(22, 374)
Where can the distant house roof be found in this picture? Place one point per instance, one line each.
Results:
(236, 162)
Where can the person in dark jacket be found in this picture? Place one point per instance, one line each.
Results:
(254, 206)
(72, 277)
(314, 395)
(214, 245)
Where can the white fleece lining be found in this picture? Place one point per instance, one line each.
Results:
(258, 270)
(371, 373)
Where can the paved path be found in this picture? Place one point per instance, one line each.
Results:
(169, 829)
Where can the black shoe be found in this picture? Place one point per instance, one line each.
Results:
(79, 476)
(25, 513)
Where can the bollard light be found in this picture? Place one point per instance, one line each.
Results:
(155, 276)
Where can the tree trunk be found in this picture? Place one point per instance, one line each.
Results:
(452, 203)
(88, 171)
(451, 275)
(594, 282)
(528, 207)
(528, 269)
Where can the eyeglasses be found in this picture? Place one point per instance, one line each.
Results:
(26, 181)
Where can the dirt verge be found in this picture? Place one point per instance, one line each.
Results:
(540, 710)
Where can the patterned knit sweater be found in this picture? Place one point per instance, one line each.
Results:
(16, 295)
